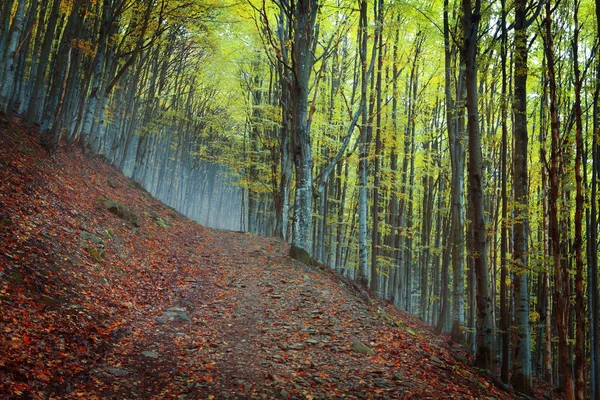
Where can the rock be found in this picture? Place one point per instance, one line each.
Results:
(436, 360)
(121, 211)
(150, 354)
(117, 371)
(174, 314)
(15, 276)
(312, 341)
(96, 253)
(361, 348)
(383, 383)
(88, 236)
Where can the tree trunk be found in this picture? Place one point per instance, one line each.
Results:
(375, 236)
(305, 13)
(36, 99)
(561, 272)
(594, 286)
(521, 371)
(504, 299)
(580, 360)
(485, 328)
(9, 58)
(363, 263)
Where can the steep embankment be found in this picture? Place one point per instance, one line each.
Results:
(105, 292)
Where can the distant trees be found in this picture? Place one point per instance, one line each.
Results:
(10, 49)
(123, 78)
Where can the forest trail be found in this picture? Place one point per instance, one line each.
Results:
(107, 293)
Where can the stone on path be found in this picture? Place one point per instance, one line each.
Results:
(150, 354)
(174, 314)
(117, 371)
(361, 348)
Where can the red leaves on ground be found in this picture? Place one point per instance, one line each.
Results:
(95, 308)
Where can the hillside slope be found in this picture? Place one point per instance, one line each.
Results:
(107, 293)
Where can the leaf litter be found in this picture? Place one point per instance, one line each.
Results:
(97, 306)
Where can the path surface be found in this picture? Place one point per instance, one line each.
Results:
(264, 326)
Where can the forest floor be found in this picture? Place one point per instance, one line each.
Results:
(107, 293)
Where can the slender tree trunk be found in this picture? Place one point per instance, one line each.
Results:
(5, 14)
(378, 153)
(9, 58)
(521, 372)
(580, 360)
(485, 325)
(285, 179)
(561, 272)
(445, 283)
(393, 214)
(457, 157)
(594, 286)
(17, 96)
(504, 299)
(363, 263)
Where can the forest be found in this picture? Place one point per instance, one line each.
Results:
(442, 154)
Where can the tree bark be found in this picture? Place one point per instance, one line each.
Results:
(363, 166)
(561, 272)
(580, 359)
(375, 236)
(10, 57)
(521, 371)
(485, 328)
(36, 99)
(594, 286)
(305, 13)
(504, 299)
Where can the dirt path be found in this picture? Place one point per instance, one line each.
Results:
(263, 326)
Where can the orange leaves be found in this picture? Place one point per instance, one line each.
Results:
(27, 340)
(85, 46)
(106, 313)
(19, 388)
(43, 376)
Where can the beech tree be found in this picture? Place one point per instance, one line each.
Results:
(471, 19)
